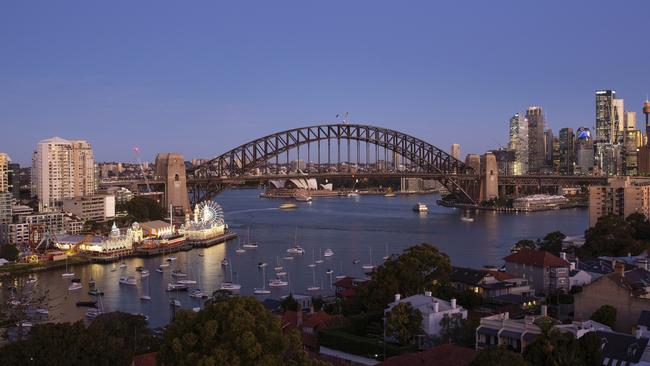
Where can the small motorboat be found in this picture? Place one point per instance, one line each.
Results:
(420, 207)
(288, 206)
(261, 291)
(144, 273)
(467, 219)
(186, 282)
(329, 271)
(145, 297)
(159, 270)
(171, 259)
(311, 265)
(139, 269)
(175, 303)
(177, 287)
(351, 195)
(198, 294)
(75, 286)
(128, 280)
(390, 194)
(164, 265)
(356, 261)
(262, 264)
(201, 254)
(225, 262)
(123, 265)
(230, 286)
(67, 274)
(178, 273)
(328, 253)
(88, 304)
(93, 313)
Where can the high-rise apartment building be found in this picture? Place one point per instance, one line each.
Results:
(567, 150)
(6, 195)
(610, 125)
(620, 197)
(584, 146)
(548, 148)
(455, 151)
(536, 146)
(14, 179)
(518, 142)
(62, 169)
(4, 172)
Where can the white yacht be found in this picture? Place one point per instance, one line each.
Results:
(75, 286)
(277, 282)
(128, 280)
(296, 249)
(248, 244)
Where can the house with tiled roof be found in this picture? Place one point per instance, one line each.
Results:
(346, 287)
(545, 272)
(626, 290)
(486, 284)
(443, 355)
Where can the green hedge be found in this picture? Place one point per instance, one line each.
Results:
(357, 345)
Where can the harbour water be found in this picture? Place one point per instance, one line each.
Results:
(351, 227)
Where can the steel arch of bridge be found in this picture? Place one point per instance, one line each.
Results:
(240, 161)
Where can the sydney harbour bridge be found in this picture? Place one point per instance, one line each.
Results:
(347, 151)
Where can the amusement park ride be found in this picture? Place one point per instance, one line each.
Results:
(41, 245)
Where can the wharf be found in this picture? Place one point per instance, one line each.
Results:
(227, 235)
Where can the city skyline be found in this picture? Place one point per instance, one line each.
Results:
(203, 80)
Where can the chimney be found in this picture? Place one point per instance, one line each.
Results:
(398, 297)
(453, 303)
(427, 293)
(563, 255)
(619, 268)
(436, 307)
(544, 310)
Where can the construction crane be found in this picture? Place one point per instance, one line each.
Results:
(136, 152)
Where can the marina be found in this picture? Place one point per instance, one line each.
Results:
(349, 228)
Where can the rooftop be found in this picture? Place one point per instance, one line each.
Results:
(467, 275)
(424, 303)
(443, 355)
(536, 258)
(620, 346)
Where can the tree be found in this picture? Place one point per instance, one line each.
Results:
(640, 226)
(498, 356)
(289, 303)
(605, 314)
(235, 331)
(9, 252)
(109, 343)
(591, 346)
(523, 244)
(552, 243)
(143, 209)
(611, 236)
(415, 270)
(404, 322)
(454, 329)
(554, 347)
(133, 329)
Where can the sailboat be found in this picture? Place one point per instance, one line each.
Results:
(230, 285)
(165, 263)
(313, 262)
(185, 281)
(296, 249)
(320, 257)
(313, 287)
(328, 253)
(91, 282)
(368, 267)
(122, 264)
(113, 269)
(147, 297)
(239, 249)
(386, 256)
(93, 313)
(278, 266)
(263, 290)
(249, 244)
(341, 275)
(66, 273)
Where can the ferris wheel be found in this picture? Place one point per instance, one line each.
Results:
(210, 213)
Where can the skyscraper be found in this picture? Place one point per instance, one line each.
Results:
(518, 141)
(62, 169)
(536, 146)
(567, 150)
(6, 196)
(609, 132)
(548, 148)
(4, 172)
(584, 151)
(455, 151)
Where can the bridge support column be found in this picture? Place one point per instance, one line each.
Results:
(170, 167)
(489, 177)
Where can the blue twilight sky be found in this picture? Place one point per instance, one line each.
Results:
(200, 77)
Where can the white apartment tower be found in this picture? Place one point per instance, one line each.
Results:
(4, 172)
(62, 169)
(455, 151)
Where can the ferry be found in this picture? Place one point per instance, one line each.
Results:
(420, 207)
(288, 206)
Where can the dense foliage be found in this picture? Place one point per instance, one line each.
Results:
(605, 314)
(613, 236)
(554, 347)
(404, 322)
(112, 339)
(498, 356)
(551, 243)
(417, 269)
(456, 330)
(235, 331)
(143, 209)
(9, 252)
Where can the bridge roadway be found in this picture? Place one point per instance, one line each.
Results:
(506, 180)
